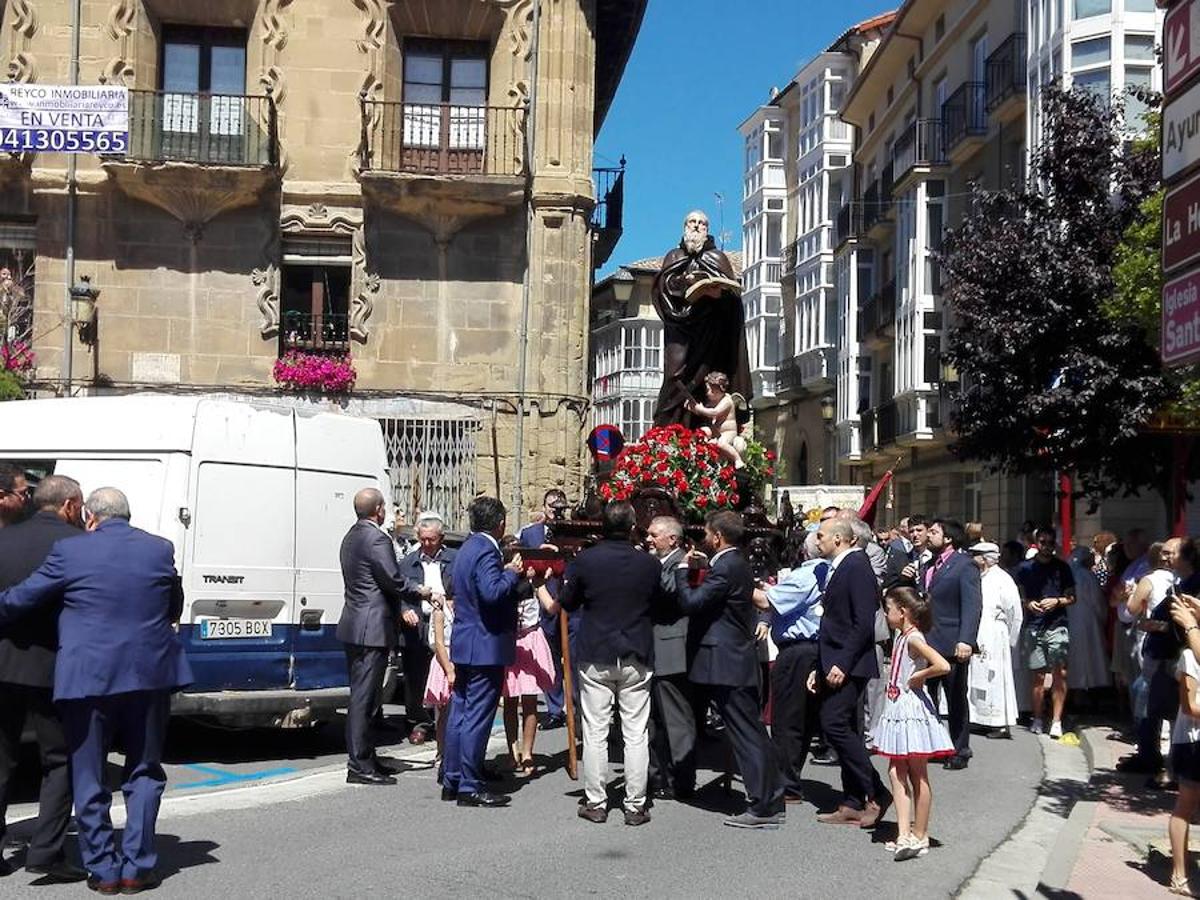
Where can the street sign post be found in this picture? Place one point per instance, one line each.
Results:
(1181, 35)
(1181, 320)
(1181, 133)
(86, 118)
(1181, 225)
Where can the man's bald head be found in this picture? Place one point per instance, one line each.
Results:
(367, 503)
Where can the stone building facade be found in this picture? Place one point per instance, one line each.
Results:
(408, 182)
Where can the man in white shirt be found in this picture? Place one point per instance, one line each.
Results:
(428, 565)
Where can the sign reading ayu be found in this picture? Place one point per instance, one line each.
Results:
(91, 118)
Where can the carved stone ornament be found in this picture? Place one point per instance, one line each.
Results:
(22, 65)
(274, 37)
(364, 286)
(121, 24)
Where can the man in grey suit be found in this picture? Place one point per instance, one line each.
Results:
(672, 716)
(376, 593)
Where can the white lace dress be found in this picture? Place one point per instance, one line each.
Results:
(909, 726)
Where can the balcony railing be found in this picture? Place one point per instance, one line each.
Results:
(1006, 69)
(920, 144)
(610, 197)
(808, 371)
(868, 317)
(885, 423)
(322, 332)
(773, 273)
(870, 202)
(849, 223)
(964, 114)
(216, 129)
(442, 139)
(886, 306)
(609, 212)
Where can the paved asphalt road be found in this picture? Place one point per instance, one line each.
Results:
(308, 834)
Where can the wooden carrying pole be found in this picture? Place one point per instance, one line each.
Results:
(568, 696)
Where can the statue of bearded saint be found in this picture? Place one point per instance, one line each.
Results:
(698, 297)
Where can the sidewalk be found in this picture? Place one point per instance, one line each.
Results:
(1092, 833)
(1124, 851)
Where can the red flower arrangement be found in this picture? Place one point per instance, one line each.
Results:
(679, 460)
(16, 357)
(310, 371)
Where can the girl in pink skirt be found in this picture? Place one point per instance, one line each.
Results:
(531, 673)
(440, 683)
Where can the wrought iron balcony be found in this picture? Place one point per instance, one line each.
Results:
(964, 114)
(849, 223)
(211, 129)
(1006, 72)
(442, 139)
(918, 146)
(320, 333)
(805, 373)
(885, 424)
(608, 214)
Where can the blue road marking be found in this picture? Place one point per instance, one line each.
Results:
(222, 778)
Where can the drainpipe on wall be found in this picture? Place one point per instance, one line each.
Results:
(68, 363)
(527, 285)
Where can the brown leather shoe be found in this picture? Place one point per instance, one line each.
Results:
(843, 815)
(146, 882)
(597, 814)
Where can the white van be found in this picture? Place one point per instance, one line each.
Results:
(256, 496)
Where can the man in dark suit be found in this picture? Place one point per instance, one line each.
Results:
(27, 650)
(429, 565)
(484, 642)
(672, 707)
(724, 664)
(846, 662)
(953, 583)
(119, 660)
(375, 592)
(14, 494)
(554, 508)
(620, 588)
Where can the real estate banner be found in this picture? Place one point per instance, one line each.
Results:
(86, 118)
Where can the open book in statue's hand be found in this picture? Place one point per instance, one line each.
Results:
(711, 287)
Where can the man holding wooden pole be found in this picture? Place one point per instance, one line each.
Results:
(620, 589)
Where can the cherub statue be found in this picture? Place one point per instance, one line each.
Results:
(724, 431)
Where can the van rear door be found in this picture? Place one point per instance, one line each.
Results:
(240, 576)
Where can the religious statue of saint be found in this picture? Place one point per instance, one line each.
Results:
(698, 297)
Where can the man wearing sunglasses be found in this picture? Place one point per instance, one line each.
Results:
(14, 494)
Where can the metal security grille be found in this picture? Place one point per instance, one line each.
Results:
(432, 465)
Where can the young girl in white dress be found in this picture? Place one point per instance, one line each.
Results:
(909, 732)
(440, 683)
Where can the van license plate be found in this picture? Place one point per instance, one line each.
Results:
(216, 629)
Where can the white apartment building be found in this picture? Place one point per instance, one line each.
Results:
(809, 153)
(1104, 46)
(763, 197)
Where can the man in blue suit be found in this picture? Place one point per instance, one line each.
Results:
(485, 641)
(952, 581)
(119, 660)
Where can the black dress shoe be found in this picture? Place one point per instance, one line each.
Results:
(666, 792)
(103, 887)
(369, 778)
(956, 763)
(60, 871)
(550, 722)
(484, 799)
(449, 794)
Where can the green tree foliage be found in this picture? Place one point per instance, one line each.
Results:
(10, 386)
(1049, 381)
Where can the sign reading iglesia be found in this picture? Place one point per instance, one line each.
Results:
(85, 118)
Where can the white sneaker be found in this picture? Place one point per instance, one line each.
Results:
(1056, 730)
(1035, 727)
(912, 849)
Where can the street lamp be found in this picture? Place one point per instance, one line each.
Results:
(949, 373)
(83, 308)
(827, 409)
(622, 285)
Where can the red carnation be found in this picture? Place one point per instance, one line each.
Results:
(702, 501)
